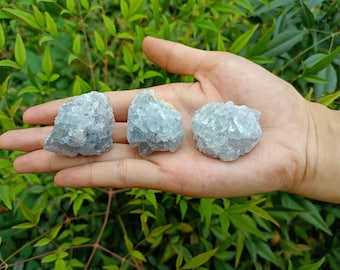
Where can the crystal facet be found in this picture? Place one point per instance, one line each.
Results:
(84, 126)
(226, 131)
(153, 124)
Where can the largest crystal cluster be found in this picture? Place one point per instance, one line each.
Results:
(226, 131)
(84, 126)
(153, 124)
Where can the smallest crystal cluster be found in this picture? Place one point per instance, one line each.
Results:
(153, 124)
(226, 131)
(84, 126)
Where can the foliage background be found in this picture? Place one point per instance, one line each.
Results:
(53, 49)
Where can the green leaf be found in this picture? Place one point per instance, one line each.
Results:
(110, 26)
(26, 17)
(76, 263)
(14, 108)
(246, 224)
(5, 163)
(313, 266)
(239, 247)
(45, 39)
(5, 193)
(128, 58)
(76, 45)
(283, 42)
(60, 264)
(128, 243)
(263, 214)
(9, 63)
(124, 8)
(26, 211)
(47, 63)
(206, 206)
(2, 37)
(100, 45)
(262, 43)
(180, 257)
(306, 15)
(4, 87)
(85, 4)
(80, 86)
(314, 79)
(20, 51)
(323, 62)
(242, 40)
(246, 4)
(70, 6)
(25, 225)
(80, 240)
(77, 204)
(51, 26)
(54, 232)
(329, 99)
(200, 259)
(42, 242)
(159, 230)
(266, 252)
(50, 258)
(39, 17)
(136, 254)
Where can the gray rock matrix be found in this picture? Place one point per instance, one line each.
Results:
(153, 124)
(226, 131)
(84, 126)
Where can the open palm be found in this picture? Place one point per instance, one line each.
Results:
(276, 163)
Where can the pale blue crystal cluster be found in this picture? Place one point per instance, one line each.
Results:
(84, 126)
(225, 130)
(153, 124)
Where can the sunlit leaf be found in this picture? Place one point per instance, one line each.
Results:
(109, 24)
(39, 17)
(9, 63)
(138, 255)
(4, 189)
(51, 26)
(329, 99)
(2, 37)
(23, 15)
(20, 51)
(42, 242)
(99, 42)
(200, 259)
(323, 62)
(242, 40)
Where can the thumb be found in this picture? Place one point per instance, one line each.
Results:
(178, 58)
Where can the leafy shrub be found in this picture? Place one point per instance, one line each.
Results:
(52, 49)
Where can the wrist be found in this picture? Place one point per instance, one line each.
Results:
(321, 179)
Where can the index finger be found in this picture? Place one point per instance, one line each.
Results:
(44, 114)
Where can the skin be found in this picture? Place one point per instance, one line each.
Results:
(292, 155)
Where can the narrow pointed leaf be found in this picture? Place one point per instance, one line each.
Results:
(242, 40)
(20, 51)
(200, 259)
(323, 62)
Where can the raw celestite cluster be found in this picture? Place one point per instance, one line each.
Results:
(84, 126)
(226, 131)
(153, 124)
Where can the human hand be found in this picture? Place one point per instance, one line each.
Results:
(278, 162)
